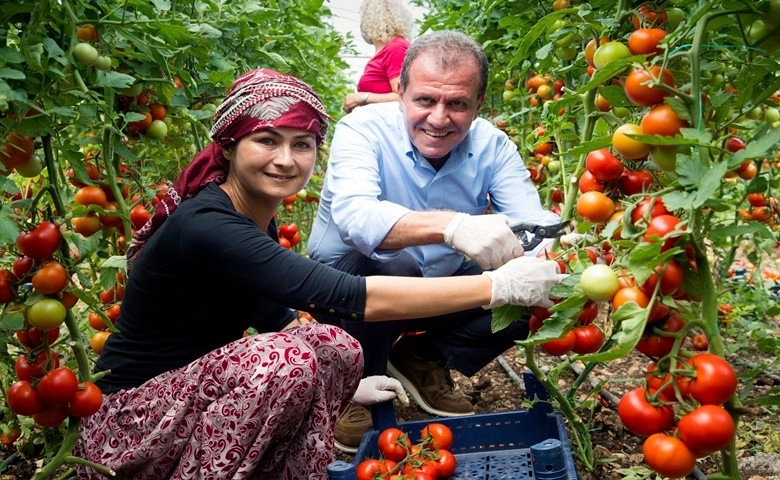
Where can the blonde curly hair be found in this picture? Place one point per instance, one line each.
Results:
(383, 20)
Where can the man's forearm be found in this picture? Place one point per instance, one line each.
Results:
(418, 228)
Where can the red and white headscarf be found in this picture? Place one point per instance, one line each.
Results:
(258, 100)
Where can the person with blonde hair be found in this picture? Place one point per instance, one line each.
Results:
(387, 25)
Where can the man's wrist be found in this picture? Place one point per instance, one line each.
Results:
(365, 99)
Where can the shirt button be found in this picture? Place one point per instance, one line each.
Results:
(354, 315)
(330, 310)
(311, 305)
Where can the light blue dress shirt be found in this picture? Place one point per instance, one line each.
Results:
(375, 176)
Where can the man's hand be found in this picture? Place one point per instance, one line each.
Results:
(524, 281)
(379, 388)
(487, 239)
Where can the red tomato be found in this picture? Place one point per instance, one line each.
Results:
(662, 120)
(707, 429)
(425, 466)
(87, 225)
(734, 144)
(641, 417)
(22, 266)
(41, 242)
(139, 215)
(6, 287)
(603, 165)
(51, 416)
(630, 294)
(663, 380)
(590, 183)
(715, 381)
(647, 208)
(655, 344)
(632, 182)
(671, 278)
(23, 399)
(111, 218)
(86, 401)
(668, 456)
(394, 443)
(446, 464)
(647, 16)
(700, 342)
(560, 346)
(51, 278)
(438, 435)
(660, 227)
(595, 207)
(369, 469)
(58, 386)
(589, 313)
(9, 439)
(17, 150)
(588, 339)
(90, 195)
(644, 41)
(36, 366)
(33, 338)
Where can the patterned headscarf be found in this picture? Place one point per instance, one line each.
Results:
(258, 100)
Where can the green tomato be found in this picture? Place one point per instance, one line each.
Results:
(609, 52)
(566, 53)
(755, 114)
(46, 314)
(133, 90)
(665, 158)
(554, 166)
(620, 112)
(674, 17)
(771, 114)
(508, 95)
(32, 168)
(599, 282)
(759, 30)
(158, 129)
(85, 53)
(565, 40)
(102, 63)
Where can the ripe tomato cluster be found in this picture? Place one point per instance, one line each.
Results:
(428, 459)
(691, 390)
(289, 236)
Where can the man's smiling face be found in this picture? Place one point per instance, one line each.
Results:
(439, 105)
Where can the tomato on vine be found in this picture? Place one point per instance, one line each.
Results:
(707, 429)
(394, 444)
(641, 417)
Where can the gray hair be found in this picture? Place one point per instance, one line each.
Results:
(451, 49)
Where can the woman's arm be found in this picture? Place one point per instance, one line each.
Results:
(394, 298)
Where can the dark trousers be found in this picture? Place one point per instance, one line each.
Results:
(463, 339)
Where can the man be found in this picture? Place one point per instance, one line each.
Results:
(407, 192)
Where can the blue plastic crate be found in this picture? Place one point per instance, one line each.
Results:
(515, 445)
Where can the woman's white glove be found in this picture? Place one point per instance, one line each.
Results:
(379, 388)
(571, 239)
(487, 239)
(524, 281)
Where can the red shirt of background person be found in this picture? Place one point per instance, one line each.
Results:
(387, 25)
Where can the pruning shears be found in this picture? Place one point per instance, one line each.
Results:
(540, 232)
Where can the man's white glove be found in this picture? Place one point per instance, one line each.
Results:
(487, 239)
(379, 388)
(524, 281)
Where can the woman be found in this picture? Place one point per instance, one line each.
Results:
(387, 25)
(186, 395)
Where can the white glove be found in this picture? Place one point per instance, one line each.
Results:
(571, 239)
(487, 239)
(379, 388)
(524, 281)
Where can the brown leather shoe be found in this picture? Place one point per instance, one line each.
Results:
(429, 383)
(351, 427)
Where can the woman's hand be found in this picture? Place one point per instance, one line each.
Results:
(353, 100)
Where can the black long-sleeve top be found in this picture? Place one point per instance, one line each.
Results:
(202, 279)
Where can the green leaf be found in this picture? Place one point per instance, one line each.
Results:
(632, 320)
(10, 55)
(750, 228)
(505, 315)
(9, 228)
(12, 320)
(113, 80)
(589, 146)
(710, 182)
(11, 74)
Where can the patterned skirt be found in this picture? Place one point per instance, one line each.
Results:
(262, 407)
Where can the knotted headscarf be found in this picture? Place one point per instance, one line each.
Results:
(258, 100)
